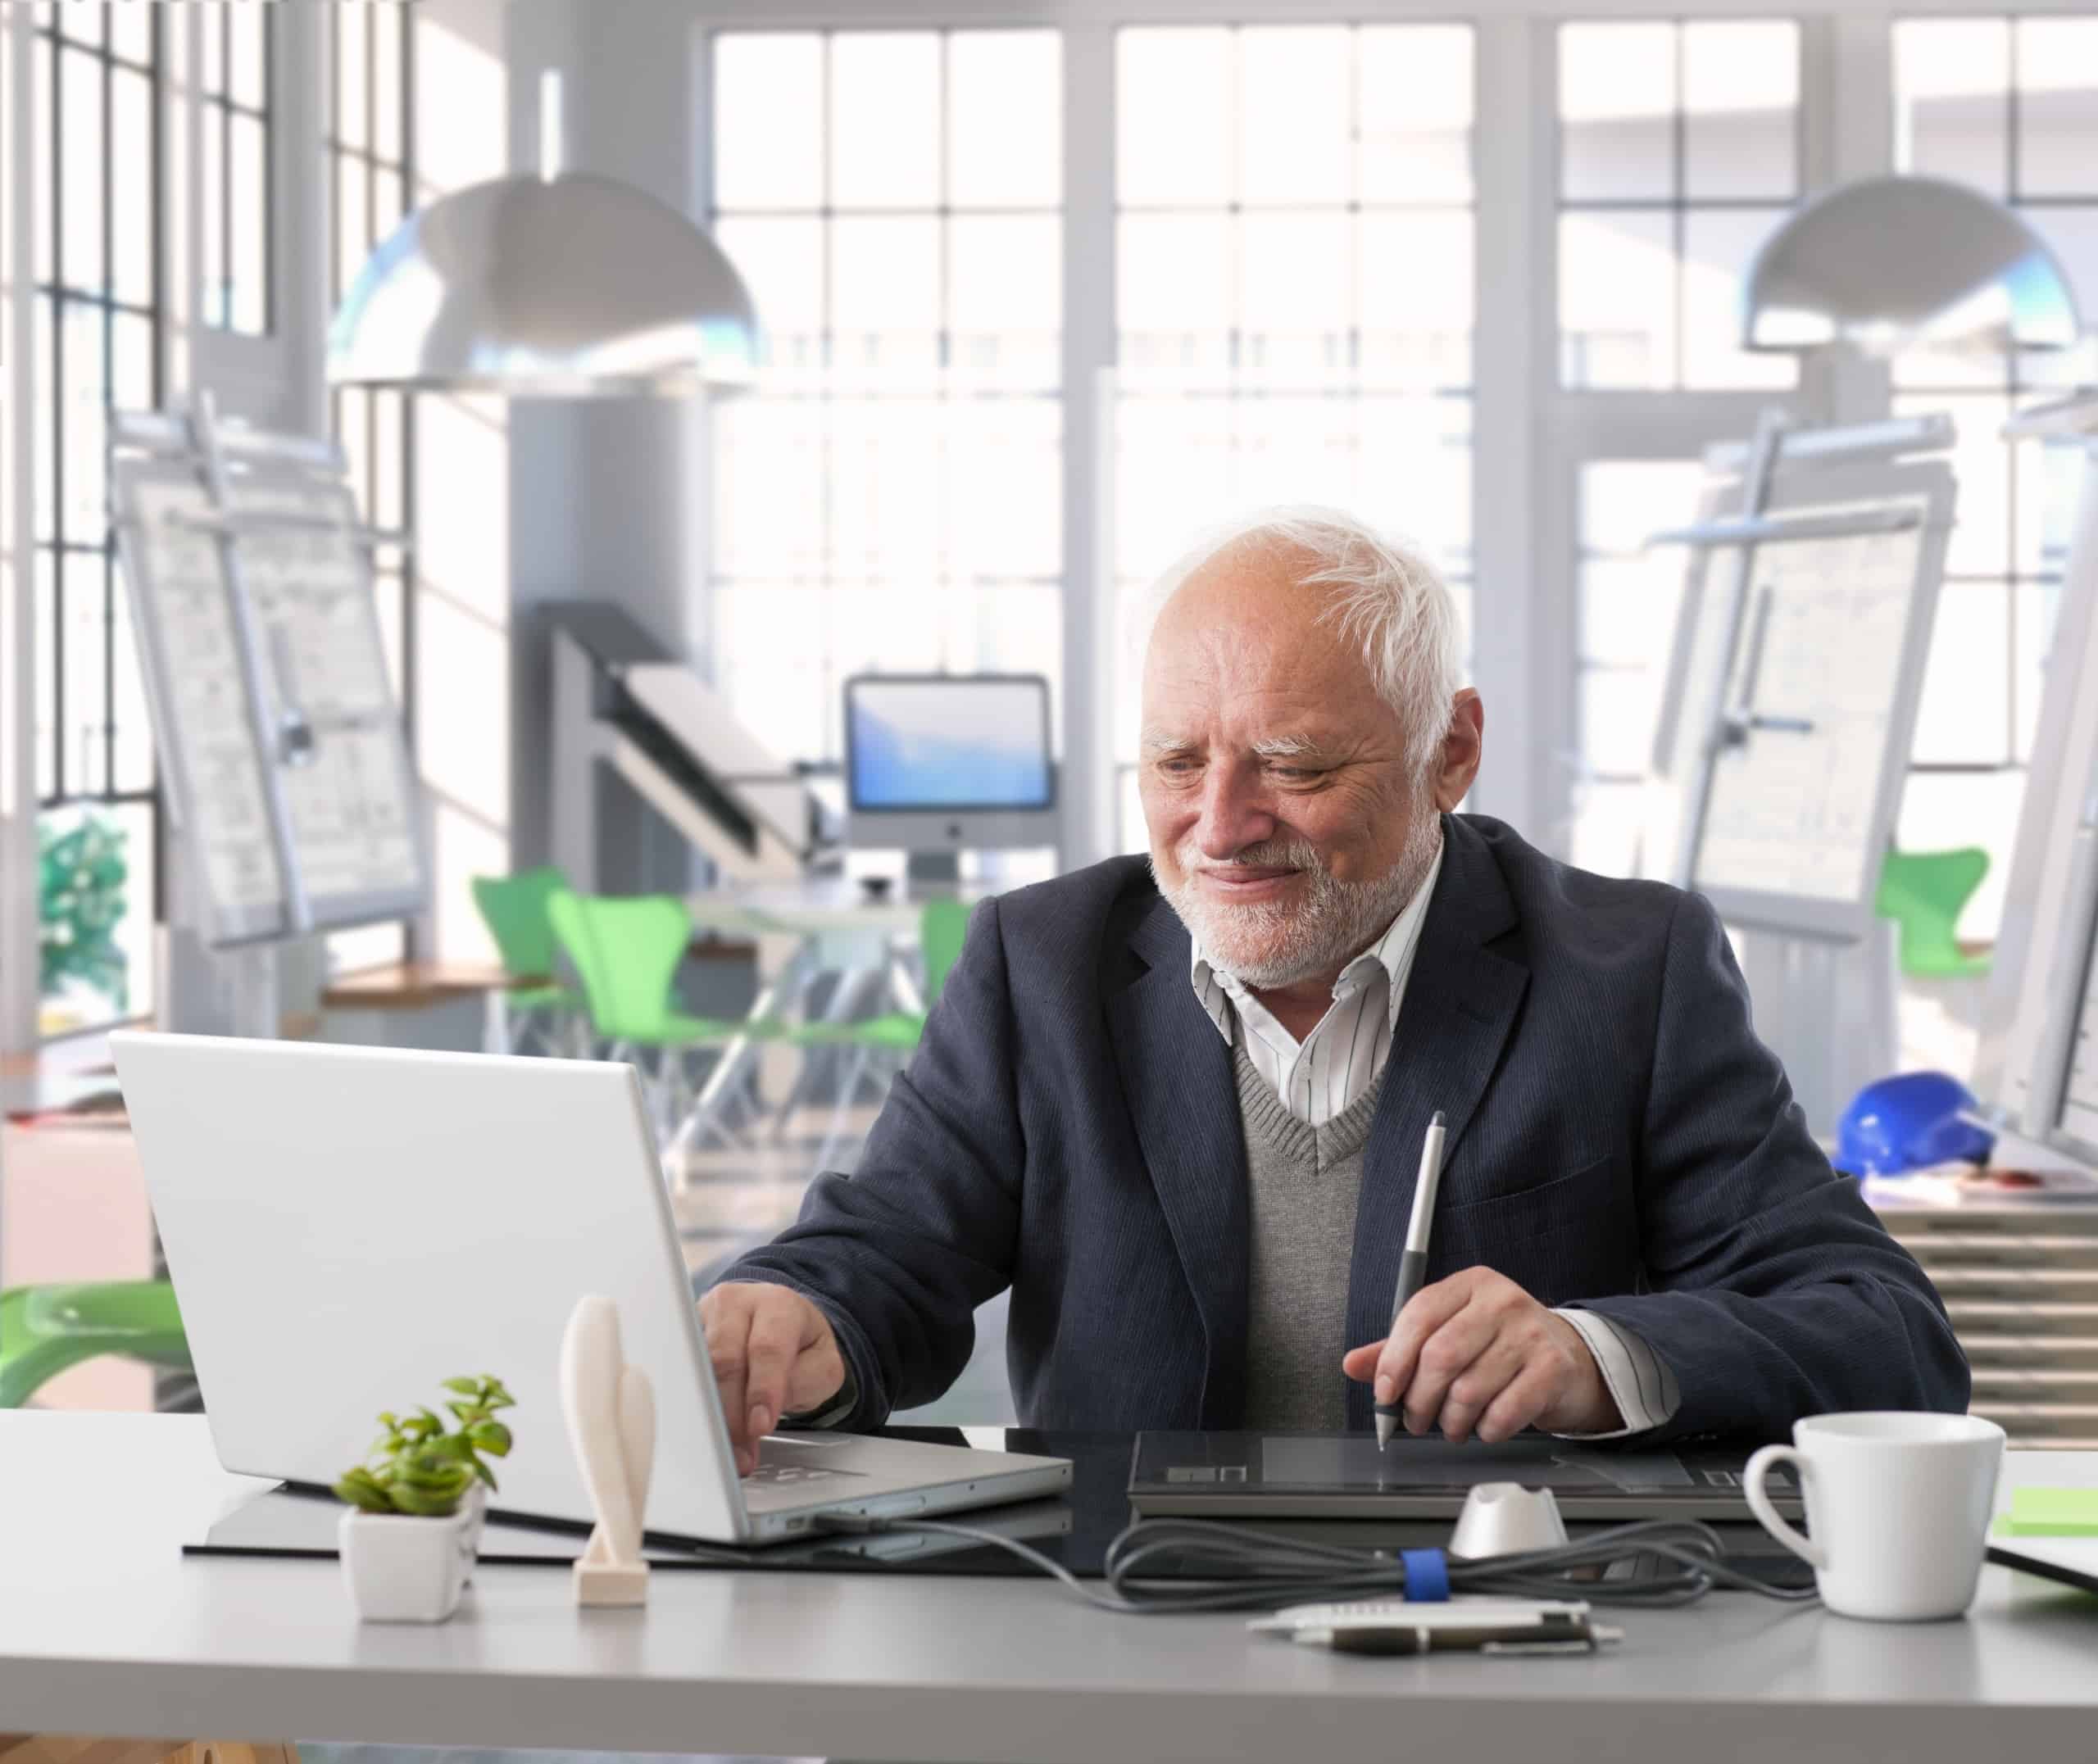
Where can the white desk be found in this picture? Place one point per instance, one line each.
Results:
(806, 909)
(106, 1629)
(802, 930)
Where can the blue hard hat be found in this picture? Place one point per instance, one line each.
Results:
(1910, 1122)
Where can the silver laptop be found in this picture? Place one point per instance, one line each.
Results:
(347, 1226)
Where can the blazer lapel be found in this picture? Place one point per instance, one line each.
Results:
(1460, 1002)
(1177, 1073)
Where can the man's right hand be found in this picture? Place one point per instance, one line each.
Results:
(774, 1354)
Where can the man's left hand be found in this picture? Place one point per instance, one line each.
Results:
(1478, 1355)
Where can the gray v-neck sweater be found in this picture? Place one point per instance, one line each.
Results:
(1302, 1184)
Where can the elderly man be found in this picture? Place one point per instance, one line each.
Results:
(1177, 1106)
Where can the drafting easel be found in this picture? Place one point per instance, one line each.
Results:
(2035, 1066)
(1785, 726)
(292, 803)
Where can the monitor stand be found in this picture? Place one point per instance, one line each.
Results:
(933, 871)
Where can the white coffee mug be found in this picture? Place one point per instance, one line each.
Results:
(1900, 1505)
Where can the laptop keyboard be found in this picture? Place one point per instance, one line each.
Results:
(788, 1463)
(787, 1476)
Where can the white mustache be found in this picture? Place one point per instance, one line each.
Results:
(1293, 855)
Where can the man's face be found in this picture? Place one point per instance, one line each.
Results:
(1287, 827)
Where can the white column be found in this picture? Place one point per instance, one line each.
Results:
(1857, 89)
(545, 517)
(19, 978)
(1847, 117)
(1522, 605)
(304, 215)
(628, 104)
(303, 218)
(1087, 782)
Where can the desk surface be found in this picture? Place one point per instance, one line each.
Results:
(829, 904)
(106, 1629)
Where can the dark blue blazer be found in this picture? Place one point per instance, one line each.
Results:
(1618, 1139)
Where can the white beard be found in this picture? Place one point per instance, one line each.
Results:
(1267, 944)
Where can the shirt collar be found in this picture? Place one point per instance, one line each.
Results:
(1393, 953)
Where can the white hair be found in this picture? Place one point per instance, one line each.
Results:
(1390, 598)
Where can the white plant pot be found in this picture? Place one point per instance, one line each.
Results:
(400, 1569)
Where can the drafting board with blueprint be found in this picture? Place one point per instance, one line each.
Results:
(1786, 724)
(1795, 679)
(2037, 1062)
(286, 772)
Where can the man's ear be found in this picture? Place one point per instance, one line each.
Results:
(1464, 745)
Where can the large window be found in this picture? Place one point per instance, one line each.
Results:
(236, 92)
(97, 307)
(1679, 149)
(461, 502)
(2008, 106)
(890, 497)
(371, 161)
(1295, 215)
(1295, 297)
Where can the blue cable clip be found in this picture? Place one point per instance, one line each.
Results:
(1427, 1576)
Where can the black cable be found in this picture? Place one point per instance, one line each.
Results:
(1229, 1567)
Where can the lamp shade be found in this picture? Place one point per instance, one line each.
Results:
(1892, 263)
(567, 286)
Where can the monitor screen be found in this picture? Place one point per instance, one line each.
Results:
(947, 743)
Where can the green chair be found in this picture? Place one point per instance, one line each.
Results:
(45, 1330)
(534, 1007)
(942, 929)
(889, 1039)
(1923, 892)
(625, 952)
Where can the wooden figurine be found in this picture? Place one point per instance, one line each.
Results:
(611, 1422)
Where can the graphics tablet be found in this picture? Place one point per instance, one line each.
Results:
(1318, 1476)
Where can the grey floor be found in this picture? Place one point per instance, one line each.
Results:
(324, 1752)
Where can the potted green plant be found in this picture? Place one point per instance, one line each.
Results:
(417, 1505)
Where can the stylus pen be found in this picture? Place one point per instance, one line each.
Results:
(1413, 1263)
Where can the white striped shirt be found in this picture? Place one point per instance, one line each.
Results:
(1319, 1077)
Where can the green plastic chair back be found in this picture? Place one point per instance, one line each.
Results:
(46, 1329)
(514, 908)
(1924, 892)
(941, 929)
(626, 949)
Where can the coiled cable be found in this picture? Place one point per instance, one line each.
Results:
(1215, 1567)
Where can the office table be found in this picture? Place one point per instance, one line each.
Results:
(802, 930)
(832, 923)
(827, 905)
(106, 1629)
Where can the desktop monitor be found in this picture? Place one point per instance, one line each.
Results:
(940, 764)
